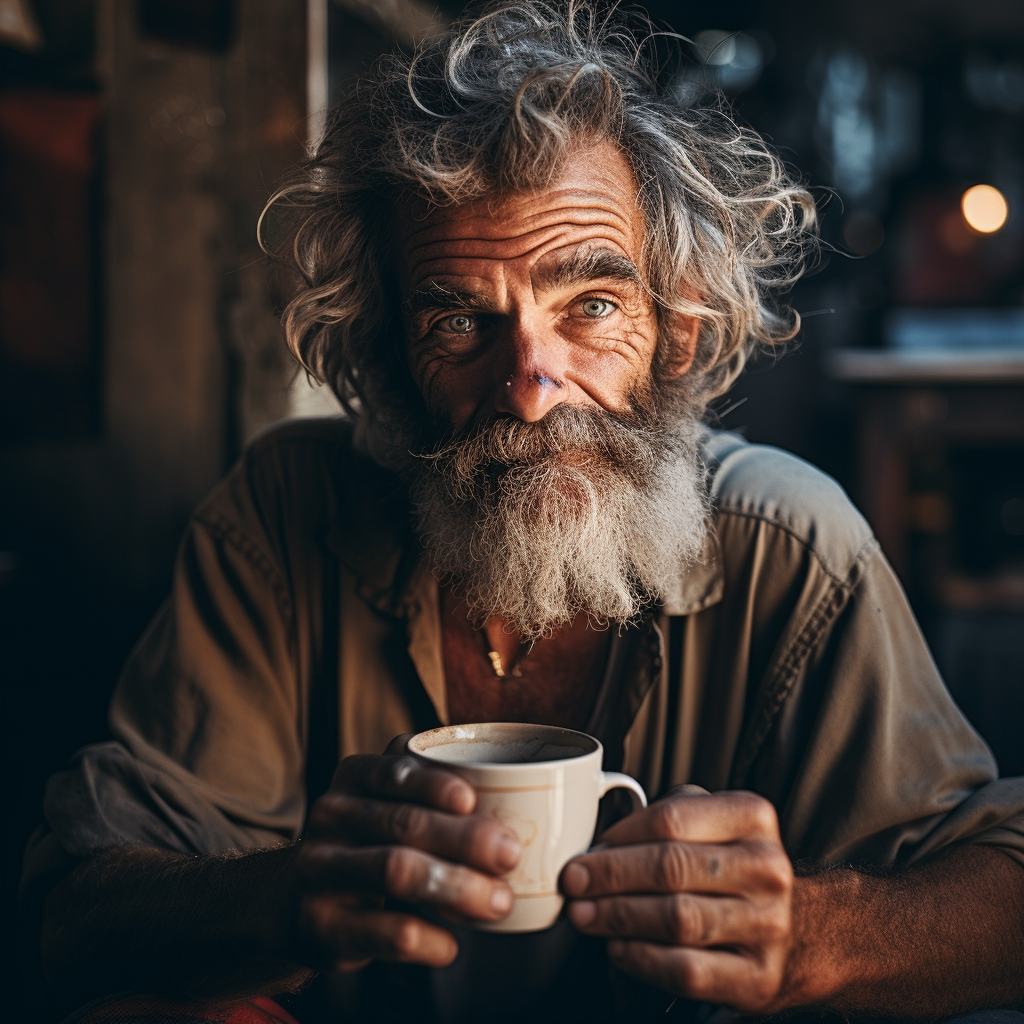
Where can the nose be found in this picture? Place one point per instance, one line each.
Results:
(534, 379)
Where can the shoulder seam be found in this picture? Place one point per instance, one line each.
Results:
(842, 581)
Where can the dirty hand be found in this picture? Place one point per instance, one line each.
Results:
(393, 827)
(695, 895)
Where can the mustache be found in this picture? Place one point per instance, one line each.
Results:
(486, 452)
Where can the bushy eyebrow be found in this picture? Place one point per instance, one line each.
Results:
(579, 267)
(586, 265)
(434, 297)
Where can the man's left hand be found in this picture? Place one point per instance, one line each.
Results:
(695, 894)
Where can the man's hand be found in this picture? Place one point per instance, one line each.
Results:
(392, 827)
(256, 923)
(695, 893)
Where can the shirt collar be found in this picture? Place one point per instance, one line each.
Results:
(700, 584)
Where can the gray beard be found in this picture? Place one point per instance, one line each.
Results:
(583, 512)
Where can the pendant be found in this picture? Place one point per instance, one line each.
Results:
(499, 668)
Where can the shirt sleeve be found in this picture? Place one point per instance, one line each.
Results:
(208, 715)
(888, 769)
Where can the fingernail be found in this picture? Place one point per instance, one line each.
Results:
(509, 851)
(582, 912)
(616, 949)
(575, 879)
(501, 901)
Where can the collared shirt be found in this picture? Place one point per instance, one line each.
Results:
(787, 662)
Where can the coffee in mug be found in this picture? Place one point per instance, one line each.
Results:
(543, 783)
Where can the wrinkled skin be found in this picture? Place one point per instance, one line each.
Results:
(515, 307)
(695, 893)
(392, 827)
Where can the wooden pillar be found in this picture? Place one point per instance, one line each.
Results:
(265, 134)
(165, 260)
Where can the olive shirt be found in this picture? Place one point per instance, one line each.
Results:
(788, 662)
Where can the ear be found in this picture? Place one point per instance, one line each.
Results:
(680, 333)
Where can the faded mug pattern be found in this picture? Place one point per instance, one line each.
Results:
(544, 783)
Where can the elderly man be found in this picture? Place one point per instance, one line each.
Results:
(527, 267)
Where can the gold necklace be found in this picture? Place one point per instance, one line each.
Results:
(498, 666)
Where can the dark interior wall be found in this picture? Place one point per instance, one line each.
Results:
(194, 132)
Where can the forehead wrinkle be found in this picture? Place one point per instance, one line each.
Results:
(579, 202)
(442, 263)
(522, 243)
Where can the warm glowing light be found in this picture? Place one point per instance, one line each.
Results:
(984, 208)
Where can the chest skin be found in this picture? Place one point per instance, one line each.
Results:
(558, 682)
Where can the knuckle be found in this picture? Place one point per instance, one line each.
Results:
(779, 873)
(347, 766)
(776, 924)
(686, 923)
(400, 870)
(758, 811)
(391, 772)
(616, 916)
(770, 865)
(408, 823)
(690, 976)
(401, 769)
(667, 819)
(671, 867)
(325, 812)
(687, 789)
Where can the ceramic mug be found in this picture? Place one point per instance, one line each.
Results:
(542, 782)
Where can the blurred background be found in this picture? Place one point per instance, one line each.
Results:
(140, 348)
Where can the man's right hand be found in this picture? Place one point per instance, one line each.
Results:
(392, 827)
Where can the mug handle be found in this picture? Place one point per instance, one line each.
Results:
(616, 780)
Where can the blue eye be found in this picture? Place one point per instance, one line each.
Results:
(458, 323)
(595, 308)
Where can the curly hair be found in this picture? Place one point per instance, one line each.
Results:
(496, 105)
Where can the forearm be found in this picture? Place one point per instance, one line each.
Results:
(922, 943)
(173, 924)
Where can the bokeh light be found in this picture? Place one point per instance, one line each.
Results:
(984, 208)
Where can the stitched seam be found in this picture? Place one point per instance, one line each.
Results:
(221, 528)
(781, 683)
(869, 543)
(784, 676)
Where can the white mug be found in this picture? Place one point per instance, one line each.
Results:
(543, 783)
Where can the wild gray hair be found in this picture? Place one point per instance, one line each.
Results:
(496, 105)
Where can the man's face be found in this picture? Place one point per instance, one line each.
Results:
(519, 306)
(555, 478)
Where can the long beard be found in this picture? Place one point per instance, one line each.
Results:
(581, 512)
